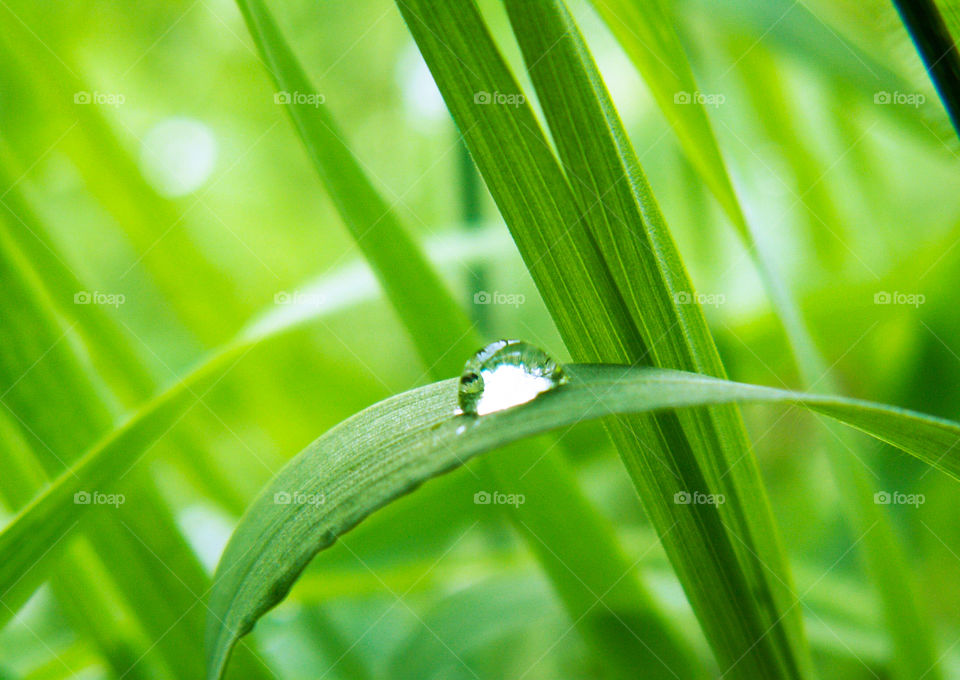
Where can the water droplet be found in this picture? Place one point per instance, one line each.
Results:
(506, 373)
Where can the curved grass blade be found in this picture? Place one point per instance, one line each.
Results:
(26, 561)
(645, 31)
(50, 517)
(80, 583)
(113, 354)
(391, 448)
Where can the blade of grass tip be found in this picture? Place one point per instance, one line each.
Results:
(444, 338)
(392, 447)
(646, 33)
(592, 315)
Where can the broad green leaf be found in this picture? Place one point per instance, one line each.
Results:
(394, 446)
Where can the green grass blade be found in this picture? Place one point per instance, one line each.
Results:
(78, 582)
(645, 31)
(394, 446)
(115, 352)
(409, 282)
(154, 417)
(771, 104)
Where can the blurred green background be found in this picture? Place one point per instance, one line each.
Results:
(143, 152)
